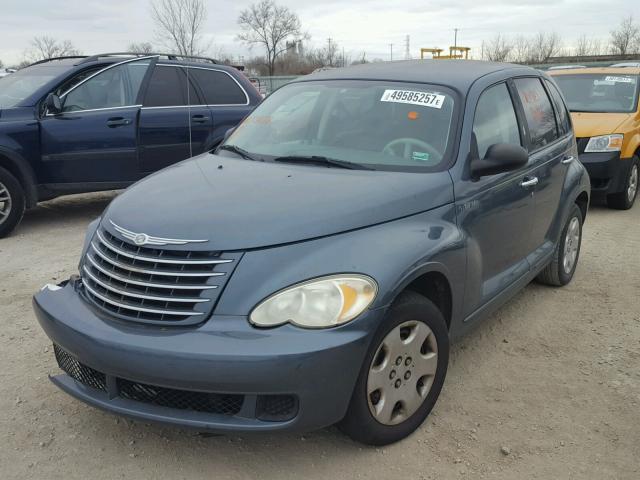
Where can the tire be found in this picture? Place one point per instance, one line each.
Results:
(563, 264)
(12, 202)
(625, 199)
(412, 315)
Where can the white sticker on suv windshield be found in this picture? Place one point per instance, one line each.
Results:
(433, 100)
(620, 79)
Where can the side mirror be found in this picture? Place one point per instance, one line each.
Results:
(500, 158)
(228, 133)
(53, 103)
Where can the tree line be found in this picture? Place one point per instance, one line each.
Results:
(539, 48)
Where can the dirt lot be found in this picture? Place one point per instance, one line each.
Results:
(553, 377)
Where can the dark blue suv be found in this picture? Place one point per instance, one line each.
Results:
(81, 124)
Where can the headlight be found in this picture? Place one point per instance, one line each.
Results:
(605, 143)
(319, 303)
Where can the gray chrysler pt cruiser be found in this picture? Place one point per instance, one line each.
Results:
(315, 269)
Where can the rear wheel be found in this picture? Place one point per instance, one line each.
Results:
(625, 199)
(563, 264)
(12, 202)
(402, 375)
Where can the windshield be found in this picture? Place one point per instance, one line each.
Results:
(16, 87)
(387, 126)
(612, 92)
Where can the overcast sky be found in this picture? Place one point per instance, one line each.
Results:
(359, 26)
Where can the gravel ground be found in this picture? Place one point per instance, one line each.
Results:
(548, 388)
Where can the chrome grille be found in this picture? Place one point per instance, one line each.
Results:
(151, 284)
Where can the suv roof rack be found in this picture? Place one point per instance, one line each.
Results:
(56, 58)
(168, 56)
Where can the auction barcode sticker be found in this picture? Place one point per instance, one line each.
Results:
(433, 100)
(620, 79)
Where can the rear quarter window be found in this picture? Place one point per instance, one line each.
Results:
(563, 115)
(219, 88)
(538, 112)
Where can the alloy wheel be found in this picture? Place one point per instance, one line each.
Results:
(5, 203)
(571, 245)
(402, 372)
(633, 183)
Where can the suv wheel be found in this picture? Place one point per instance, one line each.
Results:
(563, 265)
(12, 202)
(624, 200)
(402, 375)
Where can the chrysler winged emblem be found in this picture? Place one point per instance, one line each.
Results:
(141, 239)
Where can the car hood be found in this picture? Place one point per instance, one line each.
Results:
(238, 204)
(587, 124)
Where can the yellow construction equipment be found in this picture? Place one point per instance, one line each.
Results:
(455, 52)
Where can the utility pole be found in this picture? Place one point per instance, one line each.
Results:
(329, 53)
(391, 47)
(455, 37)
(407, 50)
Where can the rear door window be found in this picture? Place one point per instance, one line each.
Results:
(218, 87)
(168, 88)
(538, 112)
(495, 119)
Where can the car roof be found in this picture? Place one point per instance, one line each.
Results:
(596, 70)
(458, 74)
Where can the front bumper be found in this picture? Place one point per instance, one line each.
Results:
(225, 355)
(607, 171)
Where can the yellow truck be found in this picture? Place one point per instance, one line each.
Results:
(604, 108)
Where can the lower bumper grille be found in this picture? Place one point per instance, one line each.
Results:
(81, 373)
(269, 408)
(181, 399)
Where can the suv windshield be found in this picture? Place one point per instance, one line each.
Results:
(386, 126)
(605, 92)
(16, 87)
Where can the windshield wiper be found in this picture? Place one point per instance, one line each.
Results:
(320, 160)
(238, 151)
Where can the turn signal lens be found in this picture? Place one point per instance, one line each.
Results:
(319, 303)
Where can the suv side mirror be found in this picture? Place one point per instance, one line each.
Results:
(53, 103)
(500, 158)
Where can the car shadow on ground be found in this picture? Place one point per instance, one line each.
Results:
(66, 210)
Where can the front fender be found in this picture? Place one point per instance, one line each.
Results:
(393, 253)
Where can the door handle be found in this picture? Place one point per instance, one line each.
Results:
(117, 122)
(568, 159)
(529, 182)
(199, 119)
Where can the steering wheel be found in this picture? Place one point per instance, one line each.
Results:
(407, 144)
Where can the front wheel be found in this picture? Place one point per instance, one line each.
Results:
(12, 202)
(402, 375)
(563, 264)
(624, 200)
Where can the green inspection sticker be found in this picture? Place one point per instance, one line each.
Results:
(420, 156)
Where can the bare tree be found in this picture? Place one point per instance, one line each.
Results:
(179, 25)
(1, 64)
(626, 38)
(521, 51)
(140, 47)
(45, 47)
(269, 25)
(545, 46)
(587, 46)
(497, 49)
